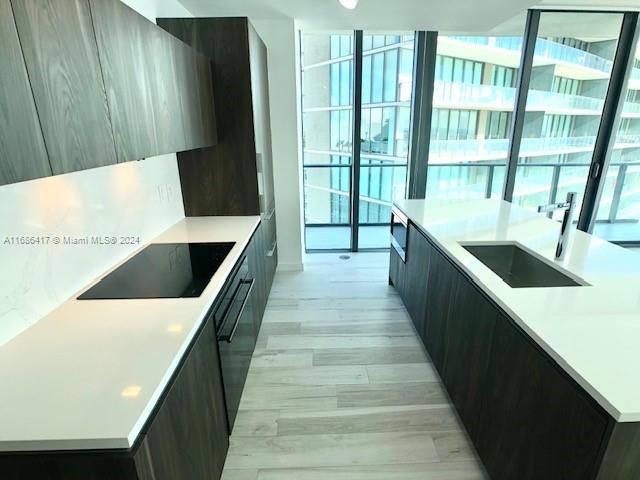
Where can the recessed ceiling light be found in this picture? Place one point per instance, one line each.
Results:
(350, 4)
(131, 391)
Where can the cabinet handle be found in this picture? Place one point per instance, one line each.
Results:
(229, 338)
(273, 249)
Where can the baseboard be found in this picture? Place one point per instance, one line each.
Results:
(290, 267)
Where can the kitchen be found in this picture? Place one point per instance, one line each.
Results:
(177, 301)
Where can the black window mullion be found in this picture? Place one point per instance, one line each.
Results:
(613, 104)
(357, 125)
(517, 123)
(421, 107)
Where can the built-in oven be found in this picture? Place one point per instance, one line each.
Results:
(235, 327)
(399, 233)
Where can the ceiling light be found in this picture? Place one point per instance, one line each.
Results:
(350, 4)
(131, 391)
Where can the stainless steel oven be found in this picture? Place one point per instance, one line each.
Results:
(399, 233)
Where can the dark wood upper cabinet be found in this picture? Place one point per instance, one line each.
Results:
(234, 177)
(23, 155)
(62, 60)
(159, 90)
(125, 45)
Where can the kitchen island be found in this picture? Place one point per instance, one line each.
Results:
(544, 379)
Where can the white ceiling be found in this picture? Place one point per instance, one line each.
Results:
(501, 17)
(594, 4)
(466, 16)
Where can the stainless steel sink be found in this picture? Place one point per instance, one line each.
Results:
(521, 268)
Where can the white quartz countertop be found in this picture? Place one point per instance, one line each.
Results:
(593, 332)
(88, 375)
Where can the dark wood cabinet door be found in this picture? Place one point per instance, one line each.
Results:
(258, 266)
(167, 70)
(62, 60)
(271, 250)
(125, 46)
(223, 179)
(256, 271)
(442, 283)
(236, 356)
(22, 152)
(418, 259)
(535, 422)
(468, 338)
(159, 89)
(397, 273)
(188, 439)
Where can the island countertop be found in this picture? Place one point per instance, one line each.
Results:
(89, 374)
(592, 332)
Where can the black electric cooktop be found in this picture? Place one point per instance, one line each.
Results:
(163, 270)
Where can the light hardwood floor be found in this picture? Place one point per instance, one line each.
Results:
(340, 387)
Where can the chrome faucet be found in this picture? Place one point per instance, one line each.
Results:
(566, 220)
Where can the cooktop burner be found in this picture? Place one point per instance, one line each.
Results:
(163, 270)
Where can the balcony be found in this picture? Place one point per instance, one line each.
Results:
(541, 183)
(489, 97)
(546, 52)
(445, 151)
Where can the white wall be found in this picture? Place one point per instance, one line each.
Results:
(279, 37)
(139, 199)
(158, 8)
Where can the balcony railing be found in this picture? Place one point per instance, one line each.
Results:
(491, 149)
(490, 97)
(480, 180)
(545, 50)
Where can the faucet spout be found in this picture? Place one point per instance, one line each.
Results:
(568, 207)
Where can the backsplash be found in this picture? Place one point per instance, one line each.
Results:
(74, 217)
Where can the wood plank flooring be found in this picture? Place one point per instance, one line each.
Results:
(340, 387)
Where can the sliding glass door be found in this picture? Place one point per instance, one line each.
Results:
(570, 75)
(387, 83)
(327, 138)
(618, 217)
(328, 84)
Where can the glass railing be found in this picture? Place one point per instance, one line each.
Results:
(489, 149)
(380, 185)
(545, 49)
(479, 180)
(451, 94)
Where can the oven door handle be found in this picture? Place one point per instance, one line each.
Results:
(229, 337)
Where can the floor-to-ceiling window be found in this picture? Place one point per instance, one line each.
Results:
(527, 112)
(387, 83)
(618, 217)
(473, 100)
(327, 138)
(328, 123)
(570, 75)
